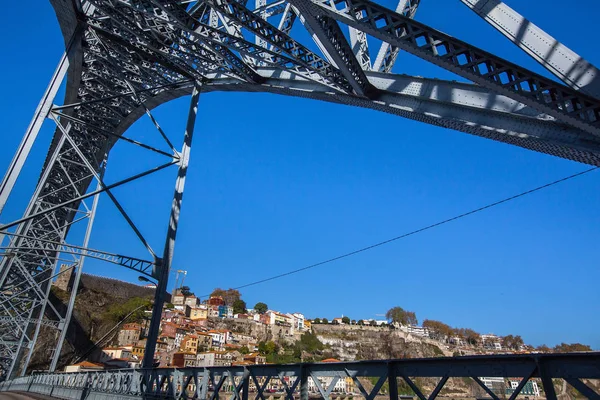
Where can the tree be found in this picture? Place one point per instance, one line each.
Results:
(567, 348)
(437, 329)
(325, 320)
(543, 349)
(185, 290)
(169, 305)
(399, 315)
(411, 318)
(316, 321)
(472, 337)
(346, 320)
(335, 322)
(360, 322)
(229, 295)
(267, 348)
(244, 350)
(512, 342)
(353, 322)
(261, 308)
(239, 306)
(373, 322)
(134, 306)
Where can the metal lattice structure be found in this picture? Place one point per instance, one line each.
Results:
(390, 378)
(125, 57)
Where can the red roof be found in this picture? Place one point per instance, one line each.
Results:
(87, 364)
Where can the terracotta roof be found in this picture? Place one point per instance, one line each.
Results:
(330, 360)
(241, 363)
(88, 364)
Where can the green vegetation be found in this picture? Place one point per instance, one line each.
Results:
(309, 348)
(239, 306)
(346, 320)
(261, 308)
(566, 348)
(403, 387)
(185, 290)
(116, 312)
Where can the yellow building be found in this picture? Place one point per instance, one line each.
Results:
(138, 351)
(189, 344)
(197, 313)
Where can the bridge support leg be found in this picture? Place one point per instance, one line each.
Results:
(67, 319)
(163, 265)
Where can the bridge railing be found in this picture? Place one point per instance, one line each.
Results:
(366, 379)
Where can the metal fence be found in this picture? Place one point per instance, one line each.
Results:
(389, 378)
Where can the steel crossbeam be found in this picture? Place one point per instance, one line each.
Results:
(123, 58)
(244, 382)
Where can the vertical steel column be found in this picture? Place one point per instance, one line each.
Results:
(41, 112)
(304, 383)
(392, 382)
(164, 264)
(71, 305)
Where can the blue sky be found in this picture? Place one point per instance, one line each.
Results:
(279, 183)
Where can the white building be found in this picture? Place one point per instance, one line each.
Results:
(491, 341)
(206, 359)
(531, 388)
(192, 301)
(325, 381)
(297, 321)
(220, 337)
(418, 331)
(496, 385)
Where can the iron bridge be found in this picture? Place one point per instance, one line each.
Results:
(391, 379)
(123, 58)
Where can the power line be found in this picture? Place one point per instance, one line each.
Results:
(428, 227)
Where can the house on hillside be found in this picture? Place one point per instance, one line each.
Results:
(109, 353)
(199, 312)
(129, 335)
(189, 344)
(491, 342)
(215, 301)
(277, 318)
(418, 331)
(183, 359)
(255, 358)
(205, 359)
(192, 301)
(84, 366)
(168, 329)
(178, 299)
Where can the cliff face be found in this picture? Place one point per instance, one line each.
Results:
(371, 343)
(95, 296)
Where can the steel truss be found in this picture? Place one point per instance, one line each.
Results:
(245, 382)
(125, 57)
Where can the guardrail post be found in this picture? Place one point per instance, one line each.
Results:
(304, 383)
(392, 382)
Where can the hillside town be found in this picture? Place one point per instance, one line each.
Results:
(222, 331)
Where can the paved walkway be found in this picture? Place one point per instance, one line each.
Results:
(24, 396)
